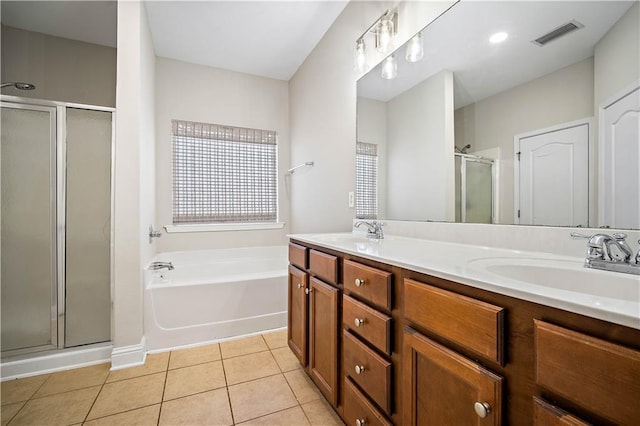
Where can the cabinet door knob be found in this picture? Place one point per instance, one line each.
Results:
(359, 369)
(359, 282)
(482, 409)
(299, 285)
(361, 422)
(307, 290)
(358, 322)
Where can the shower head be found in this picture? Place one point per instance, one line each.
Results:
(464, 149)
(18, 85)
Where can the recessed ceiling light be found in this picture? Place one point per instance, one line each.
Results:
(498, 37)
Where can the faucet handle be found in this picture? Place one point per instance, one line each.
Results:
(620, 236)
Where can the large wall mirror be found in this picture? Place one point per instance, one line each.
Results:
(541, 128)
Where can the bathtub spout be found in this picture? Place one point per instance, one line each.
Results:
(160, 265)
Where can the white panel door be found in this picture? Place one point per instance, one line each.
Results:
(554, 177)
(620, 157)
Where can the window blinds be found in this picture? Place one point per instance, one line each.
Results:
(223, 174)
(366, 180)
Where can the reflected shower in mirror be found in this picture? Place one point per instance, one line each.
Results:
(547, 113)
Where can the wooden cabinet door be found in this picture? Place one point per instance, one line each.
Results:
(545, 414)
(441, 387)
(323, 338)
(298, 318)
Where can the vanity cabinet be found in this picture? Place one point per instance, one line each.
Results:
(391, 346)
(442, 387)
(601, 377)
(298, 313)
(314, 316)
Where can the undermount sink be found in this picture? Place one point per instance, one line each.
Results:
(561, 275)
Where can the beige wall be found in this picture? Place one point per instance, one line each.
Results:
(323, 114)
(198, 93)
(562, 96)
(133, 204)
(420, 179)
(617, 57)
(62, 69)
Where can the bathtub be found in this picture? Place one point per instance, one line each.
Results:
(214, 294)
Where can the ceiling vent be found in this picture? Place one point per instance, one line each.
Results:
(558, 32)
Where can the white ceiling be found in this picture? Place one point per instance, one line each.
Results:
(459, 41)
(264, 38)
(90, 21)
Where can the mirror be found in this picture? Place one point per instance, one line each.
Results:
(508, 133)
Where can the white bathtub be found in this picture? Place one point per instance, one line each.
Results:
(215, 294)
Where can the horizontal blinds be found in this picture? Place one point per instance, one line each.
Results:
(223, 173)
(366, 180)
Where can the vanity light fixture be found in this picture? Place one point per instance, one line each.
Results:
(383, 29)
(498, 37)
(389, 68)
(360, 59)
(415, 49)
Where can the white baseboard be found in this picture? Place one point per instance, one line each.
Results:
(51, 362)
(128, 356)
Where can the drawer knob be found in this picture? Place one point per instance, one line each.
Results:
(359, 282)
(299, 285)
(307, 290)
(482, 409)
(361, 422)
(358, 322)
(359, 369)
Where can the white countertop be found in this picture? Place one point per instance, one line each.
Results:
(557, 281)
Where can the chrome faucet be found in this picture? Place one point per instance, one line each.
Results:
(374, 229)
(610, 253)
(160, 265)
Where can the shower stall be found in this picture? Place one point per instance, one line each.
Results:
(475, 195)
(56, 205)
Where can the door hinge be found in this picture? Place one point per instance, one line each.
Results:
(518, 154)
(518, 214)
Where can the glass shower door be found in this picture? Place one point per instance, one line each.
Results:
(28, 228)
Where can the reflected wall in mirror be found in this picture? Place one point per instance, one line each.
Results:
(556, 124)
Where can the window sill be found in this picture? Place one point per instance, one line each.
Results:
(222, 227)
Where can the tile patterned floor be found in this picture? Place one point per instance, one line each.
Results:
(250, 381)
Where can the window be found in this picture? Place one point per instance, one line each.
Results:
(223, 174)
(366, 180)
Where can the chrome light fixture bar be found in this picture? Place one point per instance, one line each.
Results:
(384, 29)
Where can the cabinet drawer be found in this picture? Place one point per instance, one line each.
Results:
(357, 407)
(370, 283)
(370, 371)
(368, 323)
(471, 323)
(323, 266)
(545, 414)
(298, 255)
(601, 377)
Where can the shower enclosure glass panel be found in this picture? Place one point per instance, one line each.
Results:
(28, 232)
(475, 188)
(88, 219)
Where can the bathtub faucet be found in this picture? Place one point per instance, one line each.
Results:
(160, 265)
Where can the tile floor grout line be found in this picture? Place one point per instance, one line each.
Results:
(224, 373)
(94, 400)
(266, 415)
(118, 413)
(164, 388)
(17, 412)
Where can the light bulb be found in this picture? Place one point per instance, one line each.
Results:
(415, 50)
(384, 35)
(360, 59)
(389, 68)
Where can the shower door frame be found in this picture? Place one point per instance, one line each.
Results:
(59, 164)
(464, 158)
